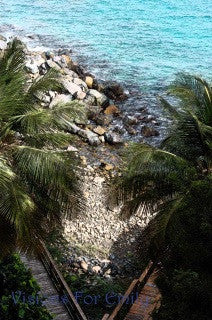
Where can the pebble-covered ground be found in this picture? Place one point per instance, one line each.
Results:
(99, 230)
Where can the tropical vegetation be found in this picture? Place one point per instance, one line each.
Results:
(37, 174)
(19, 292)
(174, 181)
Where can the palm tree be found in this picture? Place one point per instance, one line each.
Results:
(162, 178)
(37, 175)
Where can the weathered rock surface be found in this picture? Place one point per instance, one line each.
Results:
(60, 99)
(113, 138)
(89, 81)
(149, 132)
(112, 109)
(3, 45)
(99, 130)
(32, 68)
(89, 136)
(72, 88)
(114, 91)
(99, 227)
(99, 98)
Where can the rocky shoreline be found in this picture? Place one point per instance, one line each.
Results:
(106, 120)
(98, 233)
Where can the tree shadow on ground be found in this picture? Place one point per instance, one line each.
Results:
(132, 251)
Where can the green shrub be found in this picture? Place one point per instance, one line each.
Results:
(19, 292)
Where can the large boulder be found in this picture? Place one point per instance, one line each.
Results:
(53, 65)
(113, 138)
(72, 88)
(69, 73)
(112, 109)
(89, 136)
(31, 67)
(38, 60)
(3, 45)
(99, 97)
(89, 81)
(60, 99)
(81, 83)
(114, 91)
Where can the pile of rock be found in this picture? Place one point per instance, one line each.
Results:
(75, 85)
(93, 266)
(99, 230)
(100, 99)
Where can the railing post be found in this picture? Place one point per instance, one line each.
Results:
(72, 306)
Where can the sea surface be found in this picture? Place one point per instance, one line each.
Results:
(140, 43)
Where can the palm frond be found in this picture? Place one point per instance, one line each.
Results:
(12, 80)
(48, 139)
(48, 82)
(150, 175)
(63, 115)
(34, 120)
(172, 110)
(7, 237)
(13, 59)
(165, 217)
(194, 93)
(43, 166)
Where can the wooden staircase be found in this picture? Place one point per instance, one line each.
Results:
(148, 298)
(54, 287)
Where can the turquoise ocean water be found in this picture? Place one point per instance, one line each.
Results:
(142, 42)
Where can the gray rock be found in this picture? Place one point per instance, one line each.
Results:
(60, 99)
(90, 136)
(70, 73)
(100, 98)
(81, 83)
(130, 120)
(90, 100)
(73, 89)
(38, 60)
(71, 127)
(53, 65)
(113, 138)
(3, 45)
(32, 68)
(73, 149)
